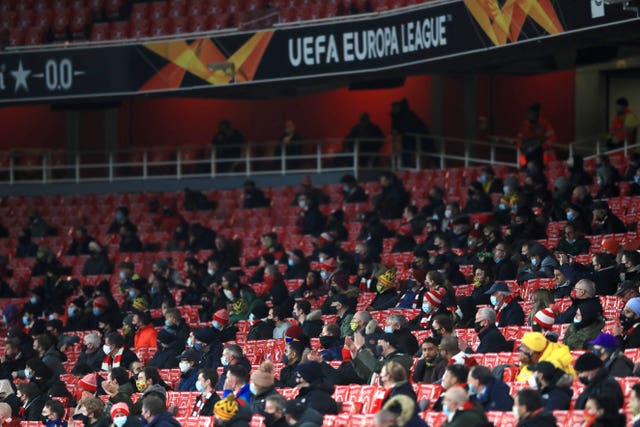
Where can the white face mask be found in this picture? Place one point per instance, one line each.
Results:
(448, 214)
(515, 412)
(106, 349)
(119, 420)
(229, 295)
(532, 382)
(184, 366)
(211, 271)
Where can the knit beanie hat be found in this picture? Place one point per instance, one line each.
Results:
(263, 376)
(434, 297)
(535, 341)
(587, 362)
(310, 371)
(634, 305)
(101, 302)
(226, 408)
(545, 318)
(89, 383)
(221, 316)
(140, 304)
(119, 408)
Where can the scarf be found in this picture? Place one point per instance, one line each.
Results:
(200, 402)
(108, 363)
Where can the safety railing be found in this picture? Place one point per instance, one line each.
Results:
(402, 152)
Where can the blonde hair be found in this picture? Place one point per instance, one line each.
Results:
(541, 298)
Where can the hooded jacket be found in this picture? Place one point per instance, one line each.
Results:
(408, 416)
(557, 354)
(312, 325)
(557, 396)
(469, 415)
(318, 395)
(577, 336)
(495, 396)
(603, 385)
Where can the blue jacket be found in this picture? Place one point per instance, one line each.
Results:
(495, 397)
(163, 419)
(188, 380)
(243, 397)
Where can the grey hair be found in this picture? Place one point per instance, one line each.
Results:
(589, 286)
(488, 314)
(93, 339)
(397, 319)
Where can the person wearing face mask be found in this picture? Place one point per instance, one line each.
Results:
(311, 220)
(203, 406)
(587, 324)
(149, 383)
(168, 350)
(231, 355)
(120, 416)
(431, 365)
(605, 221)
(146, 335)
(310, 320)
(277, 292)
(387, 294)
(91, 354)
(118, 387)
(13, 360)
(116, 353)
(53, 413)
(279, 316)
(297, 265)
(398, 325)
(261, 326)
(368, 363)
(487, 390)
(491, 339)
(508, 311)
(573, 242)
(154, 413)
(331, 343)
(607, 348)
(553, 384)
(189, 365)
(431, 307)
(33, 400)
(98, 261)
(274, 411)
(460, 412)
(313, 388)
(628, 331)
(584, 290)
(292, 357)
(262, 386)
(206, 342)
(592, 373)
(528, 410)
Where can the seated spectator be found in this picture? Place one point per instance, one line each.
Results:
(529, 411)
(116, 354)
(491, 339)
(253, 196)
(487, 390)
(460, 411)
(80, 242)
(592, 373)
(454, 375)
(397, 324)
(129, 239)
(298, 266)
(525, 227)
(563, 285)
(630, 260)
(450, 351)
(509, 312)
(39, 227)
(393, 197)
(573, 242)
(120, 416)
(293, 355)
(628, 331)
(634, 404)
(431, 365)
(297, 413)
(331, 342)
(351, 191)
(543, 322)
(155, 414)
(237, 384)
(553, 384)
(541, 299)
(585, 290)
(604, 221)
(7, 418)
(387, 296)
(53, 414)
(602, 272)
(477, 200)
(504, 268)
(311, 220)
(313, 388)
(32, 399)
(98, 261)
(459, 233)
(482, 283)
(262, 387)
(536, 348)
(627, 290)
(606, 347)
(365, 361)
(540, 263)
(602, 412)
(311, 321)
(587, 324)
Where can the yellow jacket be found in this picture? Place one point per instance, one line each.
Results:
(556, 353)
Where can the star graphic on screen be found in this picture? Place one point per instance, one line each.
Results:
(20, 75)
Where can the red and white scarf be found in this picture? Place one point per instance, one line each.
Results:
(200, 402)
(108, 363)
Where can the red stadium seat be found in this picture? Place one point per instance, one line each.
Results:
(235, 6)
(198, 23)
(24, 5)
(158, 10)
(179, 25)
(97, 8)
(44, 19)
(79, 22)
(159, 27)
(215, 6)
(8, 20)
(25, 19)
(290, 14)
(112, 8)
(140, 29)
(100, 31)
(39, 5)
(59, 4)
(60, 26)
(139, 11)
(254, 5)
(16, 37)
(119, 30)
(177, 9)
(34, 36)
(219, 21)
(195, 8)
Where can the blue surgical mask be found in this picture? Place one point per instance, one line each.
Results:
(119, 216)
(96, 311)
(25, 320)
(502, 207)
(154, 291)
(285, 359)
(167, 324)
(132, 294)
(324, 275)
(252, 318)
(51, 317)
(596, 351)
(27, 373)
(388, 329)
(33, 300)
(576, 321)
(345, 188)
(215, 324)
(119, 420)
(570, 216)
(224, 361)
(189, 342)
(494, 300)
(497, 259)
(199, 386)
(472, 389)
(482, 179)
(71, 311)
(253, 389)
(290, 262)
(197, 346)
(4, 319)
(446, 410)
(426, 308)
(122, 275)
(636, 179)
(534, 261)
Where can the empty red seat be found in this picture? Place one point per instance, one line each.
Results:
(100, 31)
(8, 21)
(97, 8)
(39, 5)
(59, 4)
(16, 36)
(195, 8)
(139, 11)
(253, 5)
(6, 7)
(34, 36)
(317, 11)
(215, 6)
(43, 19)
(140, 28)
(60, 26)
(73, 4)
(24, 5)
(112, 8)
(177, 9)
(158, 10)
(289, 14)
(179, 25)
(219, 21)
(159, 27)
(198, 23)
(119, 30)
(380, 5)
(25, 18)
(235, 6)
(79, 22)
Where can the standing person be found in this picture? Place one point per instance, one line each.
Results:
(409, 132)
(534, 137)
(369, 138)
(228, 143)
(624, 126)
(290, 145)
